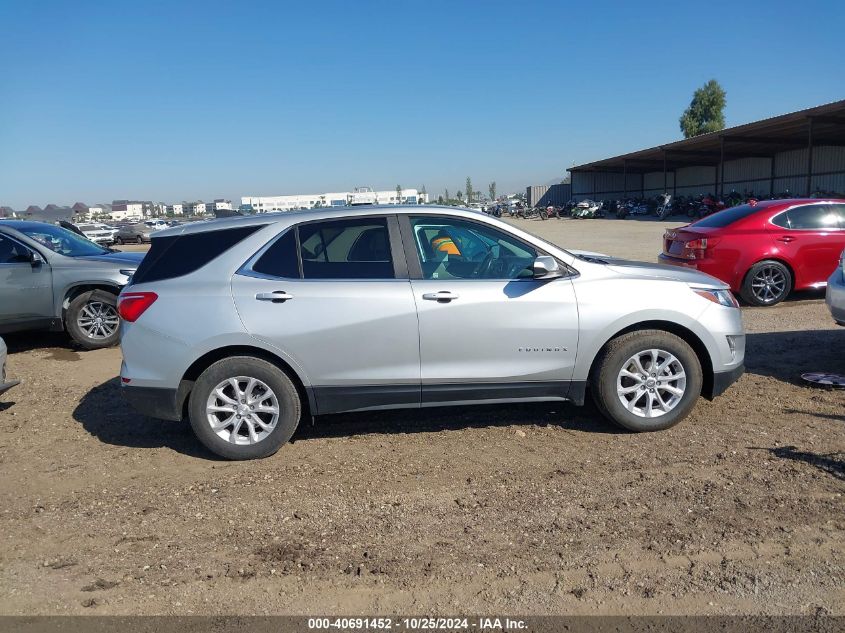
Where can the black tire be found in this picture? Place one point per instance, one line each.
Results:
(139, 240)
(119, 240)
(611, 361)
(289, 405)
(771, 272)
(96, 300)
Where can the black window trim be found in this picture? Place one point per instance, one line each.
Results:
(798, 206)
(413, 257)
(397, 252)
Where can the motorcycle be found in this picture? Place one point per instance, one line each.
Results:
(664, 207)
(588, 209)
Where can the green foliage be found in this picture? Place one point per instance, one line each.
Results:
(491, 189)
(705, 112)
(469, 190)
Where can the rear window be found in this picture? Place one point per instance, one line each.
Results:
(177, 255)
(728, 216)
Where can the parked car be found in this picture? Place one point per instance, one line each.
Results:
(98, 233)
(835, 293)
(763, 250)
(5, 385)
(137, 233)
(250, 324)
(51, 278)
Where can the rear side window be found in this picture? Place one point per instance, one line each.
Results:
(280, 259)
(178, 255)
(817, 217)
(726, 217)
(346, 249)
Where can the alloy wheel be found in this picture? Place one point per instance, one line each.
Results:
(651, 383)
(242, 410)
(768, 284)
(98, 320)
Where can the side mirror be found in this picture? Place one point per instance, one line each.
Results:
(546, 267)
(36, 259)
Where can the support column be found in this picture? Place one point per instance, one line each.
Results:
(809, 156)
(721, 167)
(665, 182)
(625, 178)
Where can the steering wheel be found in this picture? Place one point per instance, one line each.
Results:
(485, 266)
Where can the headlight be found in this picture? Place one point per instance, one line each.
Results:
(722, 297)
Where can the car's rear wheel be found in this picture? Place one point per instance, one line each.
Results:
(244, 408)
(119, 240)
(92, 320)
(648, 380)
(139, 240)
(767, 283)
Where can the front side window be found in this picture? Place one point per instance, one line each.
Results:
(452, 248)
(12, 252)
(62, 241)
(346, 249)
(818, 217)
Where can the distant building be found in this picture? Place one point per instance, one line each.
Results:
(99, 211)
(360, 196)
(7, 212)
(128, 210)
(177, 208)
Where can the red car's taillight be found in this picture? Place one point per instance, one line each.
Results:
(697, 249)
(133, 304)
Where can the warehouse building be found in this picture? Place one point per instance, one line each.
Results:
(545, 195)
(798, 154)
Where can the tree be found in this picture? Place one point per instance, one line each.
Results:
(439, 199)
(460, 195)
(398, 194)
(469, 190)
(705, 112)
(446, 195)
(491, 189)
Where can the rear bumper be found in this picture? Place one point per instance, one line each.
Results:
(707, 266)
(724, 379)
(155, 402)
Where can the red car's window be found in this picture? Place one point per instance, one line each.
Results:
(818, 217)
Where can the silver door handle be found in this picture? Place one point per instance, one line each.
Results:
(277, 296)
(444, 296)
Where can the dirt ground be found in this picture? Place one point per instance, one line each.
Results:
(530, 509)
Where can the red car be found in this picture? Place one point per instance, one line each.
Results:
(764, 250)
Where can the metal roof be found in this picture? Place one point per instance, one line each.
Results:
(762, 138)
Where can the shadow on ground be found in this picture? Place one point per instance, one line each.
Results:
(103, 413)
(830, 463)
(787, 355)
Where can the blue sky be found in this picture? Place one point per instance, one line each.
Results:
(185, 100)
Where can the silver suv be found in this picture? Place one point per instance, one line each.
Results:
(248, 325)
(52, 278)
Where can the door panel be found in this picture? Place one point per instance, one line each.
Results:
(343, 333)
(26, 291)
(496, 331)
(813, 242)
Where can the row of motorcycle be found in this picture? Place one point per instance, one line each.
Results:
(662, 206)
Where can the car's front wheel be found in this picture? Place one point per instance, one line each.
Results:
(767, 283)
(92, 319)
(648, 380)
(244, 408)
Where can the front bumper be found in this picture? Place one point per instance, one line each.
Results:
(724, 379)
(835, 296)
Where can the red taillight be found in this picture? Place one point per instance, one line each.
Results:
(133, 304)
(696, 249)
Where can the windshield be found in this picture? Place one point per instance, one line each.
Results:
(62, 241)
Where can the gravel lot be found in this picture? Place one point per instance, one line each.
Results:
(530, 509)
